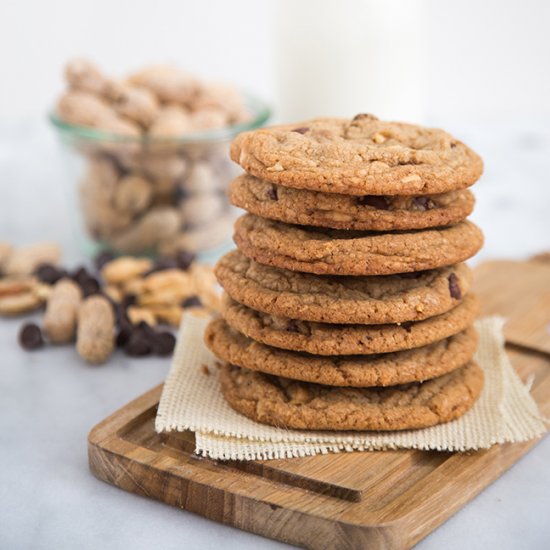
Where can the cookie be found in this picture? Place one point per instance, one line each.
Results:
(338, 252)
(337, 211)
(362, 371)
(338, 339)
(304, 406)
(361, 156)
(332, 299)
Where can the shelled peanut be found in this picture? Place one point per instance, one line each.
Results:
(157, 189)
(125, 305)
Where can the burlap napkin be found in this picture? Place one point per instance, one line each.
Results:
(192, 400)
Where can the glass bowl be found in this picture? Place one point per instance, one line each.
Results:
(150, 195)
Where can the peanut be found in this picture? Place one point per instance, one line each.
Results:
(82, 74)
(171, 121)
(23, 261)
(62, 311)
(95, 334)
(138, 314)
(125, 268)
(133, 194)
(158, 224)
(5, 251)
(138, 104)
(169, 83)
(20, 295)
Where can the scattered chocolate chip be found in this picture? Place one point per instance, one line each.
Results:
(184, 259)
(49, 274)
(128, 300)
(30, 337)
(192, 301)
(90, 286)
(423, 203)
(163, 343)
(301, 130)
(453, 144)
(375, 201)
(79, 274)
(407, 325)
(121, 315)
(102, 259)
(138, 344)
(454, 288)
(273, 194)
(124, 334)
(292, 326)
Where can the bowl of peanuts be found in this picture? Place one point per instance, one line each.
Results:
(148, 158)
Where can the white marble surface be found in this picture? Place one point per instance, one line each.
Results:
(49, 400)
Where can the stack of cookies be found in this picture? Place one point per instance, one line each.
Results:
(347, 305)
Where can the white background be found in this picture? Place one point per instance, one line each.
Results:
(478, 60)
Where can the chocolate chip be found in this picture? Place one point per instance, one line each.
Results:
(124, 333)
(102, 259)
(30, 337)
(453, 144)
(49, 274)
(163, 343)
(128, 300)
(292, 326)
(375, 201)
(273, 194)
(301, 130)
(192, 301)
(423, 203)
(184, 259)
(79, 274)
(138, 344)
(407, 325)
(90, 286)
(454, 288)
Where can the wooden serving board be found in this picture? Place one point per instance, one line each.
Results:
(375, 500)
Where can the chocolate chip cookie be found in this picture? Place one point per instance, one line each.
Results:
(338, 252)
(304, 406)
(361, 156)
(362, 371)
(337, 211)
(333, 299)
(339, 339)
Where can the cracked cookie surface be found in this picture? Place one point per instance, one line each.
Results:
(304, 406)
(338, 339)
(388, 369)
(337, 211)
(333, 299)
(359, 156)
(339, 252)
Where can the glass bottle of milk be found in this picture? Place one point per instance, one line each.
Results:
(343, 57)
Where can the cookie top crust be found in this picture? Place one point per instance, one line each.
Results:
(359, 156)
(333, 299)
(337, 211)
(338, 339)
(304, 406)
(339, 252)
(388, 369)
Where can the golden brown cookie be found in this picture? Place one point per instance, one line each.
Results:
(337, 211)
(304, 406)
(338, 339)
(332, 299)
(362, 371)
(338, 252)
(361, 156)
